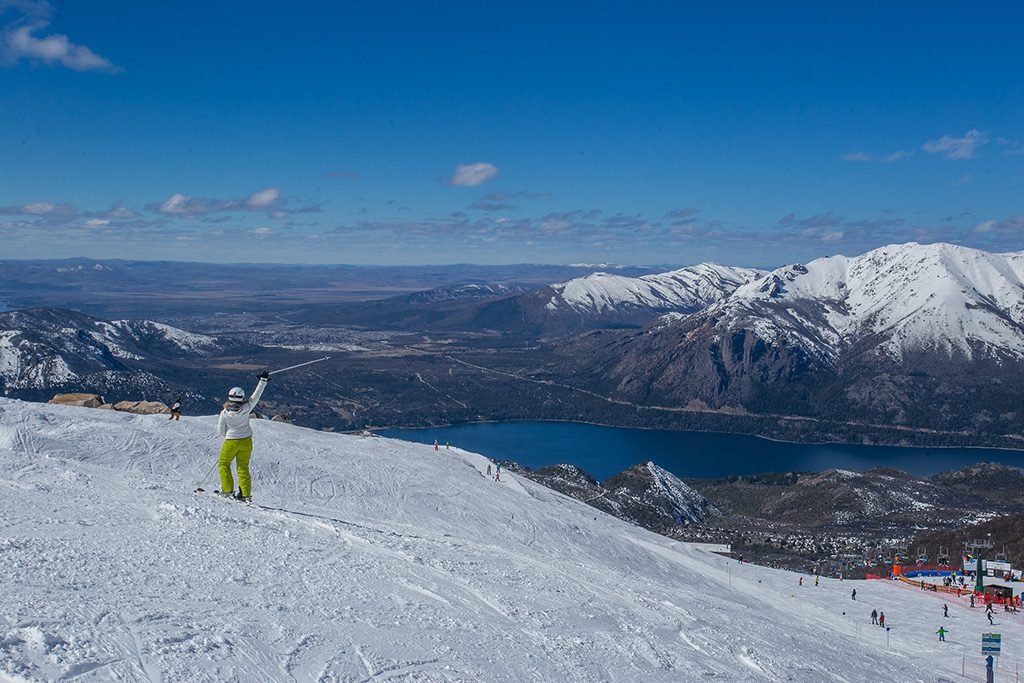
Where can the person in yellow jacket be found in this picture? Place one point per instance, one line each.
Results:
(233, 426)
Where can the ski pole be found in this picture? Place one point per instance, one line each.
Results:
(292, 367)
(206, 476)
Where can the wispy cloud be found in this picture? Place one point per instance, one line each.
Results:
(25, 38)
(957, 148)
(1013, 225)
(481, 205)
(347, 175)
(471, 175)
(39, 209)
(883, 158)
(267, 199)
(1010, 146)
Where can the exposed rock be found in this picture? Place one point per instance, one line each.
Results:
(106, 406)
(142, 407)
(644, 494)
(281, 418)
(83, 400)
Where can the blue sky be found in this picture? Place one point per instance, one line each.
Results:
(389, 132)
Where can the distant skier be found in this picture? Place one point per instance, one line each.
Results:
(435, 444)
(942, 634)
(233, 426)
(853, 595)
(815, 579)
(800, 582)
(176, 410)
(447, 445)
(488, 469)
(988, 608)
(881, 619)
(989, 615)
(945, 610)
(874, 616)
(497, 472)
(972, 599)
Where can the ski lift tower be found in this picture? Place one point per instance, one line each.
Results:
(977, 547)
(943, 558)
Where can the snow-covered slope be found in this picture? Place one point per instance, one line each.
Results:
(903, 298)
(686, 289)
(381, 560)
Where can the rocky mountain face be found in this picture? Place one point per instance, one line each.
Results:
(44, 349)
(916, 335)
(644, 494)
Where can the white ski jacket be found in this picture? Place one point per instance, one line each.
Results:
(234, 424)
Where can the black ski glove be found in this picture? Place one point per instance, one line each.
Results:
(264, 375)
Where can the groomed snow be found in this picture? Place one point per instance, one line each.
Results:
(394, 562)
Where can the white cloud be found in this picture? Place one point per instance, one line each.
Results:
(119, 212)
(179, 204)
(20, 42)
(38, 208)
(957, 148)
(1010, 146)
(263, 198)
(97, 222)
(832, 236)
(471, 175)
(1012, 226)
(886, 158)
(263, 231)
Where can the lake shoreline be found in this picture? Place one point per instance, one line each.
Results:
(605, 450)
(456, 425)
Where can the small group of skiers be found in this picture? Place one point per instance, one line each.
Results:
(878, 618)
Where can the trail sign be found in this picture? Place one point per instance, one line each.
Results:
(990, 643)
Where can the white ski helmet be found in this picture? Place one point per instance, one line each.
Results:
(236, 394)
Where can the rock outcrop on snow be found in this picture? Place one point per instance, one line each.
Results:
(81, 400)
(142, 407)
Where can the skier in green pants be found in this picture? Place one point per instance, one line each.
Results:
(233, 426)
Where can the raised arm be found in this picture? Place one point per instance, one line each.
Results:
(258, 392)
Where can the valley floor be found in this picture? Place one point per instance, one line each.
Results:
(376, 560)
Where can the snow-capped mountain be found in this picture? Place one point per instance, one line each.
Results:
(374, 559)
(900, 298)
(685, 290)
(846, 338)
(43, 349)
(597, 300)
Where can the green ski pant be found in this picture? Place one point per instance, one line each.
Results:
(242, 450)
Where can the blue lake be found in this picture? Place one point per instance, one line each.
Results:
(604, 451)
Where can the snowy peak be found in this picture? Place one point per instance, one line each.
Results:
(46, 348)
(910, 297)
(687, 289)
